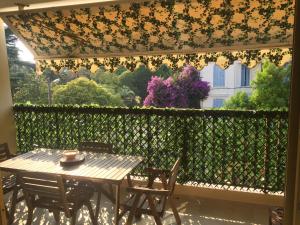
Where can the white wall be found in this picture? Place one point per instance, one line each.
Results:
(7, 125)
(232, 82)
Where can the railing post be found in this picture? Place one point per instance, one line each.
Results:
(57, 129)
(267, 156)
(149, 140)
(234, 153)
(185, 147)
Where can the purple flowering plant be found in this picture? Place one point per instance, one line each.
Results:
(184, 92)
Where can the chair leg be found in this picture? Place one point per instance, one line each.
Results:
(111, 190)
(13, 205)
(7, 213)
(98, 204)
(74, 217)
(138, 213)
(90, 208)
(30, 216)
(133, 209)
(175, 212)
(153, 210)
(56, 216)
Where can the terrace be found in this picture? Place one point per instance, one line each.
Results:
(234, 163)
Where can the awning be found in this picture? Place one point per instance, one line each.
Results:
(150, 32)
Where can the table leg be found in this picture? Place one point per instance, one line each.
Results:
(2, 206)
(117, 205)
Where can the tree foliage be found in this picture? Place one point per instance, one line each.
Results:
(164, 71)
(32, 90)
(84, 91)
(18, 70)
(106, 78)
(238, 101)
(271, 89)
(18, 74)
(112, 82)
(65, 75)
(137, 80)
(127, 96)
(12, 50)
(84, 72)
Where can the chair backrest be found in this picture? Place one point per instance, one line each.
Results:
(4, 152)
(95, 147)
(43, 186)
(173, 176)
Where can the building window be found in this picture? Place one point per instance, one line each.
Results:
(245, 81)
(218, 103)
(219, 77)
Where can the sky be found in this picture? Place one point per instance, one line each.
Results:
(24, 53)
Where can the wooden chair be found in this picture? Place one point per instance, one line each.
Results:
(276, 215)
(9, 184)
(99, 148)
(152, 201)
(48, 192)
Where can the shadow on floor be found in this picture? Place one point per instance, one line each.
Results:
(192, 211)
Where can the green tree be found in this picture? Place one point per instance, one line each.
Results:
(120, 70)
(18, 69)
(18, 74)
(83, 72)
(137, 80)
(50, 76)
(238, 101)
(106, 78)
(84, 91)
(271, 87)
(164, 71)
(32, 90)
(111, 81)
(65, 75)
(12, 50)
(128, 96)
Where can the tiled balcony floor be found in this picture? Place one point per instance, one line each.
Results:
(192, 211)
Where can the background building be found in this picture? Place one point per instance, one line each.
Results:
(225, 83)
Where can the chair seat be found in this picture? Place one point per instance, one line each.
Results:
(8, 183)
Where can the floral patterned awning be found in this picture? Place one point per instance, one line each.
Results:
(224, 59)
(155, 28)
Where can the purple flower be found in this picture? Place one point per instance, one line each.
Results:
(186, 91)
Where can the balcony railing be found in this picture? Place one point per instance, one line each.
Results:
(241, 150)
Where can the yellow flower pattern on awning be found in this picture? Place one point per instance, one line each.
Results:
(157, 29)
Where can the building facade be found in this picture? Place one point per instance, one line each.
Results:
(225, 83)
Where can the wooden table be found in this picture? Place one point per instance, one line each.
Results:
(98, 168)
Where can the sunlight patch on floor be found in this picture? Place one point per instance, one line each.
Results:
(192, 212)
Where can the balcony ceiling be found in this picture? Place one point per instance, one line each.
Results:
(11, 6)
(11, 3)
(124, 28)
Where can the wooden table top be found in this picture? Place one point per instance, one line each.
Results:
(96, 167)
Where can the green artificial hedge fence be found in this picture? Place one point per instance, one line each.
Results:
(242, 150)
